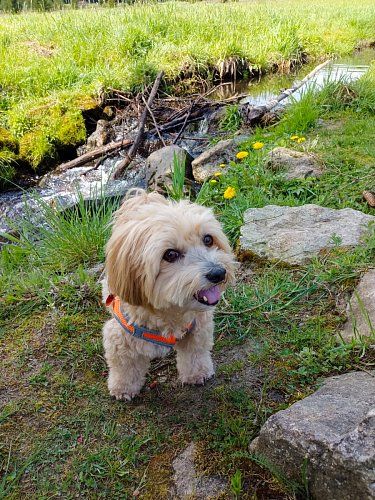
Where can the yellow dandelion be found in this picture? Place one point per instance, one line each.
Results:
(258, 145)
(218, 174)
(301, 139)
(213, 182)
(242, 154)
(222, 165)
(229, 193)
(294, 138)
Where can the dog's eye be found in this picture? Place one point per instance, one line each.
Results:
(208, 240)
(171, 255)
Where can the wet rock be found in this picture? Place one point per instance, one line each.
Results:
(295, 164)
(327, 439)
(103, 134)
(361, 310)
(295, 234)
(188, 484)
(207, 164)
(160, 164)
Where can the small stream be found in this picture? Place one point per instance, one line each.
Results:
(62, 190)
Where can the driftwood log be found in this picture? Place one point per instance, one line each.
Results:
(252, 115)
(108, 149)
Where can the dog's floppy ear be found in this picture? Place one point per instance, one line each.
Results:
(125, 260)
(125, 269)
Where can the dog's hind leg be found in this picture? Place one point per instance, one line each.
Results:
(127, 369)
(194, 362)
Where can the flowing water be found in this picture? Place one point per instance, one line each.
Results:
(62, 190)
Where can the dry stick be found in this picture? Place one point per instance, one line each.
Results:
(154, 120)
(185, 122)
(256, 113)
(119, 172)
(92, 155)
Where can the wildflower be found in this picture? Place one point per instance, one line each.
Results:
(213, 182)
(229, 193)
(218, 174)
(301, 139)
(258, 145)
(242, 154)
(222, 165)
(294, 138)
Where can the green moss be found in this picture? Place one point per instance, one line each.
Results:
(7, 141)
(45, 131)
(35, 148)
(70, 129)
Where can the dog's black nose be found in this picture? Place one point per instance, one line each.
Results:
(216, 275)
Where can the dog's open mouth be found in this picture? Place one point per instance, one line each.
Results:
(209, 297)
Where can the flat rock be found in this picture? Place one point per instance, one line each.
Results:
(188, 484)
(160, 164)
(295, 164)
(327, 439)
(295, 234)
(207, 164)
(361, 309)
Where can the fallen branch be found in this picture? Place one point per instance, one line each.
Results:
(252, 115)
(111, 148)
(119, 172)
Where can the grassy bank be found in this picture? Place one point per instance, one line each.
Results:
(61, 434)
(52, 63)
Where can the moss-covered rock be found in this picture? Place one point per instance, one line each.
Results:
(36, 149)
(45, 132)
(7, 141)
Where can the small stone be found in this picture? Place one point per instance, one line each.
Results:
(103, 134)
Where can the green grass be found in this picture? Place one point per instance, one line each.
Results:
(61, 434)
(60, 59)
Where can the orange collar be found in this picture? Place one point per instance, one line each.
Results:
(140, 332)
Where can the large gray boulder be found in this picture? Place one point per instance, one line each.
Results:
(295, 234)
(327, 440)
(295, 164)
(361, 309)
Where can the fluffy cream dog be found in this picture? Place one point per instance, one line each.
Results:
(166, 266)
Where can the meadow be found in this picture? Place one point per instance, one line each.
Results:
(61, 435)
(53, 65)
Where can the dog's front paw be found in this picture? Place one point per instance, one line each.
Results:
(123, 392)
(199, 378)
(122, 396)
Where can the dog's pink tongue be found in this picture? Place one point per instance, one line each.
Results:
(212, 294)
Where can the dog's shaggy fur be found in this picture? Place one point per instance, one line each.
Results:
(167, 262)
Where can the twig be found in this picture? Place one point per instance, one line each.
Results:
(132, 151)
(153, 119)
(185, 122)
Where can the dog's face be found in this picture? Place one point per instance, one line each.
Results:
(166, 255)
